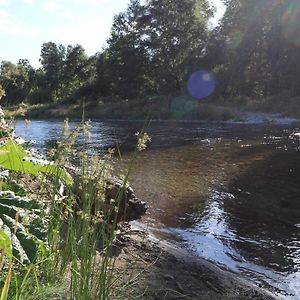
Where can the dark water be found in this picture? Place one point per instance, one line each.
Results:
(227, 192)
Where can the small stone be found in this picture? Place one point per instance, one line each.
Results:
(168, 277)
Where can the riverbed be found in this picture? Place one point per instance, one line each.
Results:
(228, 192)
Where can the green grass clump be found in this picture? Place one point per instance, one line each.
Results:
(75, 258)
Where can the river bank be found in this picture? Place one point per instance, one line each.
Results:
(126, 110)
(155, 269)
(160, 108)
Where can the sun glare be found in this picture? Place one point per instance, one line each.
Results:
(290, 23)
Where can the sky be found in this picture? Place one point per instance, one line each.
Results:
(26, 24)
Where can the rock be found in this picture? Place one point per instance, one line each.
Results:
(168, 277)
(130, 207)
(116, 194)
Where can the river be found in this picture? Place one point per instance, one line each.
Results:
(229, 192)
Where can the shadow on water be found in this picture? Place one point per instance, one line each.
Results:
(266, 202)
(234, 203)
(264, 213)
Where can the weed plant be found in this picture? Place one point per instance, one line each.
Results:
(76, 260)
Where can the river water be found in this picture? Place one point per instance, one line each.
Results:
(226, 192)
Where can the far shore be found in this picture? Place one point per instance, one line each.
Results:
(125, 110)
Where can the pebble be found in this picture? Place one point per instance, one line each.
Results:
(168, 277)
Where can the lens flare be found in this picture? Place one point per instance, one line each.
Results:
(236, 37)
(183, 107)
(201, 84)
(290, 22)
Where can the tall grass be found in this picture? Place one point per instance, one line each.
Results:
(83, 224)
(77, 262)
(5, 252)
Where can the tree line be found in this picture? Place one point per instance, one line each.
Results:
(154, 47)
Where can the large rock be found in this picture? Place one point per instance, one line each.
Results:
(117, 194)
(130, 207)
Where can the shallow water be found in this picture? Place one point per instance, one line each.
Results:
(227, 192)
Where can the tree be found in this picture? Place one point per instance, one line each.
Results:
(124, 64)
(260, 38)
(175, 35)
(16, 80)
(78, 69)
(52, 60)
(153, 47)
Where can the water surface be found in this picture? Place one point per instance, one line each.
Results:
(227, 192)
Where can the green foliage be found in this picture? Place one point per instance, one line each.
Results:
(183, 108)
(19, 216)
(14, 157)
(155, 45)
(52, 60)
(176, 32)
(5, 244)
(5, 132)
(2, 91)
(257, 46)
(74, 238)
(16, 81)
(152, 49)
(20, 220)
(12, 185)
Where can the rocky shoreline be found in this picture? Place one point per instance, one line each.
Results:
(158, 270)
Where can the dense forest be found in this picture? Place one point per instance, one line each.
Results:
(154, 47)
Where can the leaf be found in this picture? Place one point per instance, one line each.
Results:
(6, 248)
(5, 244)
(21, 219)
(12, 185)
(15, 158)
